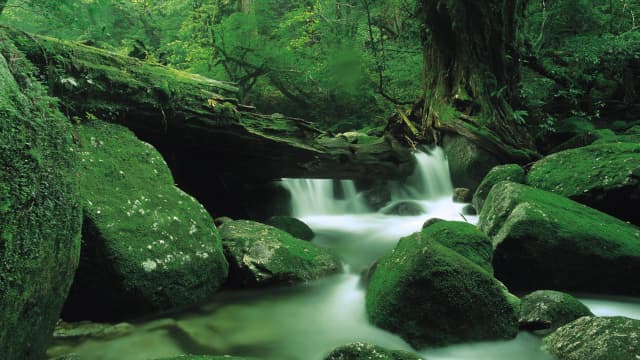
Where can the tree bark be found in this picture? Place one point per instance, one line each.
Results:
(472, 74)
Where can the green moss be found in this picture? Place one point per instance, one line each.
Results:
(363, 351)
(39, 209)
(509, 172)
(260, 254)
(463, 238)
(602, 176)
(207, 357)
(543, 240)
(605, 338)
(293, 226)
(431, 295)
(548, 310)
(154, 246)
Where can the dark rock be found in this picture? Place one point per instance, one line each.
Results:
(468, 163)
(261, 255)
(469, 210)
(431, 295)
(364, 351)
(462, 195)
(219, 221)
(547, 310)
(147, 245)
(377, 197)
(510, 172)
(85, 329)
(404, 208)
(604, 176)
(293, 226)
(40, 213)
(593, 338)
(463, 238)
(430, 222)
(546, 241)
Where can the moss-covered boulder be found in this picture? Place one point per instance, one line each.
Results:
(431, 295)
(40, 214)
(463, 238)
(603, 176)
(209, 357)
(364, 351)
(468, 163)
(546, 241)
(593, 338)
(547, 310)
(147, 245)
(261, 255)
(509, 172)
(293, 226)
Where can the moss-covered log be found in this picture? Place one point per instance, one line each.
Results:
(187, 118)
(471, 76)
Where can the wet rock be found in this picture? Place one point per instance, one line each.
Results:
(468, 163)
(377, 197)
(463, 238)
(430, 222)
(469, 210)
(547, 310)
(462, 195)
(219, 221)
(546, 241)
(85, 329)
(509, 172)
(364, 351)
(40, 214)
(404, 208)
(413, 287)
(261, 255)
(604, 176)
(147, 245)
(593, 338)
(293, 226)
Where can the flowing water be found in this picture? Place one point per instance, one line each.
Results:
(307, 321)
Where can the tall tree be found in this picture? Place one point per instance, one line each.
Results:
(471, 71)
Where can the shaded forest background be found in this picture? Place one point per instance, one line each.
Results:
(351, 64)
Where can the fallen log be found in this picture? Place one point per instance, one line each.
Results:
(195, 121)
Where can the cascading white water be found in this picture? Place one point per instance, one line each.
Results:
(429, 180)
(318, 196)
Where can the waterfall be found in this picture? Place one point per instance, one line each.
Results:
(430, 180)
(320, 196)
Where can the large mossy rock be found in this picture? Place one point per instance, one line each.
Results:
(468, 163)
(463, 238)
(546, 241)
(40, 215)
(593, 338)
(431, 295)
(547, 310)
(603, 176)
(262, 255)
(147, 245)
(209, 357)
(364, 351)
(509, 172)
(293, 226)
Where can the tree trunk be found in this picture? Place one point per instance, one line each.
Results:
(471, 74)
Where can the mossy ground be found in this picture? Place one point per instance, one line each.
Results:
(154, 246)
(39, 209)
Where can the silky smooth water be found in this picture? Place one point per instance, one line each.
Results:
(307, 321)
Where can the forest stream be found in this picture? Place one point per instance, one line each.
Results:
(307, 321)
